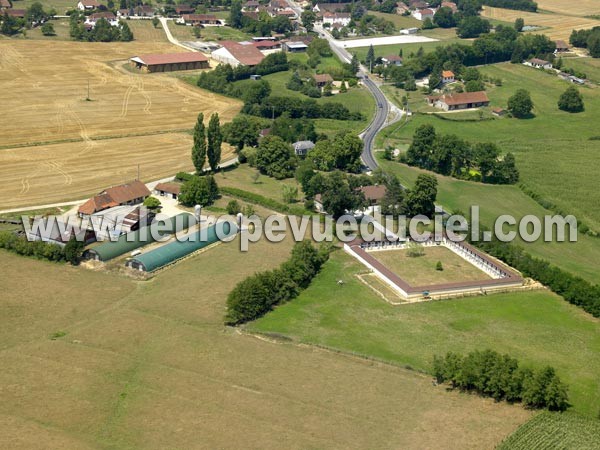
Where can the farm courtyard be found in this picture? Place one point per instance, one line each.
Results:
(59, 146)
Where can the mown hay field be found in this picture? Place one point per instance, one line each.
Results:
(580, 8)
(59, 141)
(559, 26)
(96, 360)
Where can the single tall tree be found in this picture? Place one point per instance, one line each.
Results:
(199, 148)
(214, 139)
(370, 59)
(235, 14)
(520, 104)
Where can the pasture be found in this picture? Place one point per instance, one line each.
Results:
(536, 327)
(421, 270)
(97, 360)
(554, 145)
(118, 128)
(556, 25)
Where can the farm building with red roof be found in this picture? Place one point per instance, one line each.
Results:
(169, 62)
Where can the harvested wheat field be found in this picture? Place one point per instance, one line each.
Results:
(556, 26)
(70, 171)
(581, 8)
(58, 146)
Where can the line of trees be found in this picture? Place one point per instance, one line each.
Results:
(452, 156)
(506, 44)
(259, 293)
(491, 374)
(34, 15)
(207, 143)
(19, 244)
(589, 39)
(522, 5)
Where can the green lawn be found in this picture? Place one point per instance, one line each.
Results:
(422, 270)
(407, 49)
(589, 66)
(398, 20)
(580, 258)
(536, 327)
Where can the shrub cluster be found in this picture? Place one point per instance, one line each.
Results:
(491, 374)
(71, 252)
(259, 293)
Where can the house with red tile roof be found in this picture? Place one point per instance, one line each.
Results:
(456, 101)
(125, 194)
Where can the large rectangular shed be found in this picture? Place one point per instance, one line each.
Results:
(170, 62)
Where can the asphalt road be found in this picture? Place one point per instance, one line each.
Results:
(381, 103)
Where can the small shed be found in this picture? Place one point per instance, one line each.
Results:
(301, 148)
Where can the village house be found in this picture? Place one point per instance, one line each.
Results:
(170, 190)
(5, 4)
(238, 53)
(301, 148)
(392, 60)
(109, 16)
(539, 63)
(87, 5)
(184, 9)
(278, 5)
(450, 5)
(336, 18)
(251, 6)
(423, 14)
(499, 112)
(199, 20)
(125, 194)
(170, 62)
(401, 8)
(138, 11)
(447, 76)
(373, 195)
(417, 4)
(17, 13)
(456, 101)
(321, 79)
(289, 13)
(561, 47)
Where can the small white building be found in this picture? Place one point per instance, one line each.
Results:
(412, 30)
(301, 148)
(447, 76)
(392, 60)
(423, 14)
(336, 18)
(87, 5)
(539, 63)
(109, 16)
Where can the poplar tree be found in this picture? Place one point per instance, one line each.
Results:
(199, 148)
(214, 139)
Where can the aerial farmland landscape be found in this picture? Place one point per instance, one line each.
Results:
(300, 224)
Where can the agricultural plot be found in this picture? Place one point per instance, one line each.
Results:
(556, 26)
(422, 271)
(554, 430)
(536, 327)
(117, 128)
(581, 8)
(120, 364)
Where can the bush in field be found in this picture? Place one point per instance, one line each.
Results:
(233, 207)
(571, 100)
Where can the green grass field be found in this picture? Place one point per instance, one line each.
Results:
(398, 20)
(589, 66)
(98, 360)
(580, 258)
(536, 327)
(421, 270)
(407, 49)
(550, 147)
